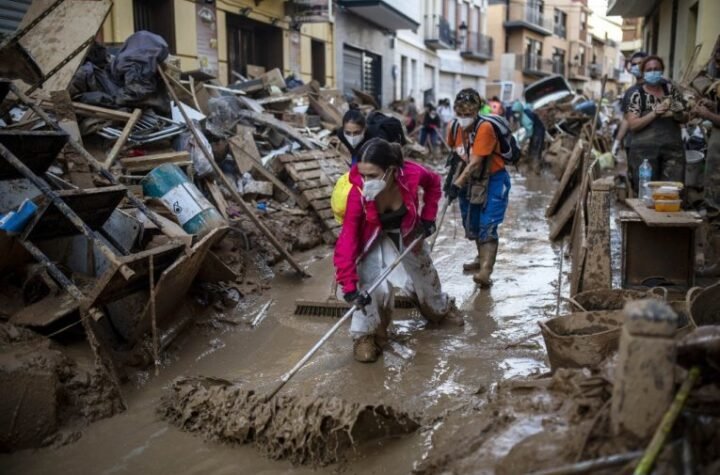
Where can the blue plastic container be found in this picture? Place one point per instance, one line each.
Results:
(194, 212)
(15, 221)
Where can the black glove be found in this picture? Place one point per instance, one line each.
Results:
(428, 228)
(453, 192)
(361, 299)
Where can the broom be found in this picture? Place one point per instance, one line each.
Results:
(335, 308)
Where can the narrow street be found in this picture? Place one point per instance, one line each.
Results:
(429, 373)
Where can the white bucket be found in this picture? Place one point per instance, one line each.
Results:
(694, 168)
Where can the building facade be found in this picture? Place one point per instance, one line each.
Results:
(229, 36)
(448, 52)
(672, 29)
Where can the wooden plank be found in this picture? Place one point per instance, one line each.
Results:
(120, 142)
(326, 111)
(278, 125)
(597, 271)
(244, 150)
(217, 196)
(101, 112)
(46, 311)
(570, 169)
(325, 214)
(567, 211)
(175, 281)
(214, 270)
(273, 78)
(77, 167)
(654, 219)
(255, 162)
(318, 193)
(251, 104)
(307, 165)
(59, 34)
(323, 203)
(148, 162)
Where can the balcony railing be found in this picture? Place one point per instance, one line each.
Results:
(438, 34)
(558, 67)
(578, 71)
(535, 65)
(477, 46)
(596, 70)
(529, 17)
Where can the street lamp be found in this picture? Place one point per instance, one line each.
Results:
(462, 34)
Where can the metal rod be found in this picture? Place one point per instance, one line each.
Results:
(92, 162)
(559, 290)
(591, 465)
(440, 223)
(286, 377)
(231, 188)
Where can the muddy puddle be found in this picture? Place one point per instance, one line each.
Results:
(435, 374)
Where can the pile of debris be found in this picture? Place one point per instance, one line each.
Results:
(125, 183)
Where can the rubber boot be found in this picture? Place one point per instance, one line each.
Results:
(473, 265)
(365, 350)
(488, 252)
(454, 316)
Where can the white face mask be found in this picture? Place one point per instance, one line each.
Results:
(373, 187)
(465, 122)
(353, 140)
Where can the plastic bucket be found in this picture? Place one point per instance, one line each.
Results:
(193, 211)
(694, 167)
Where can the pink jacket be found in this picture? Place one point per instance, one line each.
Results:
(361, 226)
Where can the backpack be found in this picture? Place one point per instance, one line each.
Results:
(339, 197)
(509, 148)
(385, 127)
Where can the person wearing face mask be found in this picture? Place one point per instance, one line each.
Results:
(655, 112)
(482, 184)
(384, 215)
(353, 131)
(623, 133)
(430, 129)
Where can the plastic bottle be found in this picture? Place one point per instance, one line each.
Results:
(645, 175)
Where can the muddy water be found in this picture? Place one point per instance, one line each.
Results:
(428, 372)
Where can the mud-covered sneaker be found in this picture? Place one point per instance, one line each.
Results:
(365, 350)
(472, 265)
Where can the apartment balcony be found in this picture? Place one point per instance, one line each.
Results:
(595, 70)
(558, 67)
(381, 13)
(615, 76)
(523, 16)
(477, 46)
(579, 72)
(534, 65)
(438, 34)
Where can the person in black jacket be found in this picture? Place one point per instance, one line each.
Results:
(431, 127)
(353, 133)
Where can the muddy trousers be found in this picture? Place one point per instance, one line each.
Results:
(416, 275)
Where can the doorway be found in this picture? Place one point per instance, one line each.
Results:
(252, 42)
(156, 16)
(317, 53)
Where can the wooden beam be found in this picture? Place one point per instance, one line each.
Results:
(148, 162)
(120, 142)
(282, 127)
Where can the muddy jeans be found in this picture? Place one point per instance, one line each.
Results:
(661, 143)
(416, 275)
(481, 221)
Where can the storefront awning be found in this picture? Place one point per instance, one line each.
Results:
(380, 13)
(631, 8)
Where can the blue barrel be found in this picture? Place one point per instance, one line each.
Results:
(193, 211)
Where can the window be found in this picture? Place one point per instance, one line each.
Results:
(558, 61)
(156, 16)
(533, 55)
(581, 55)
(560, 23)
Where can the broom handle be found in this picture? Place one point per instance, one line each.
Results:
(440, 223)
(286, 377)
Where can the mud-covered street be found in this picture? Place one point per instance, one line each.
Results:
(432, 373)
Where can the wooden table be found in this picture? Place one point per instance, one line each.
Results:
(658, 245)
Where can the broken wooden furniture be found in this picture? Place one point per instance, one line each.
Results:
(315, 173)
(658, 245)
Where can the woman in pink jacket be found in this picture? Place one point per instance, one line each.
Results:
(383, 215)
